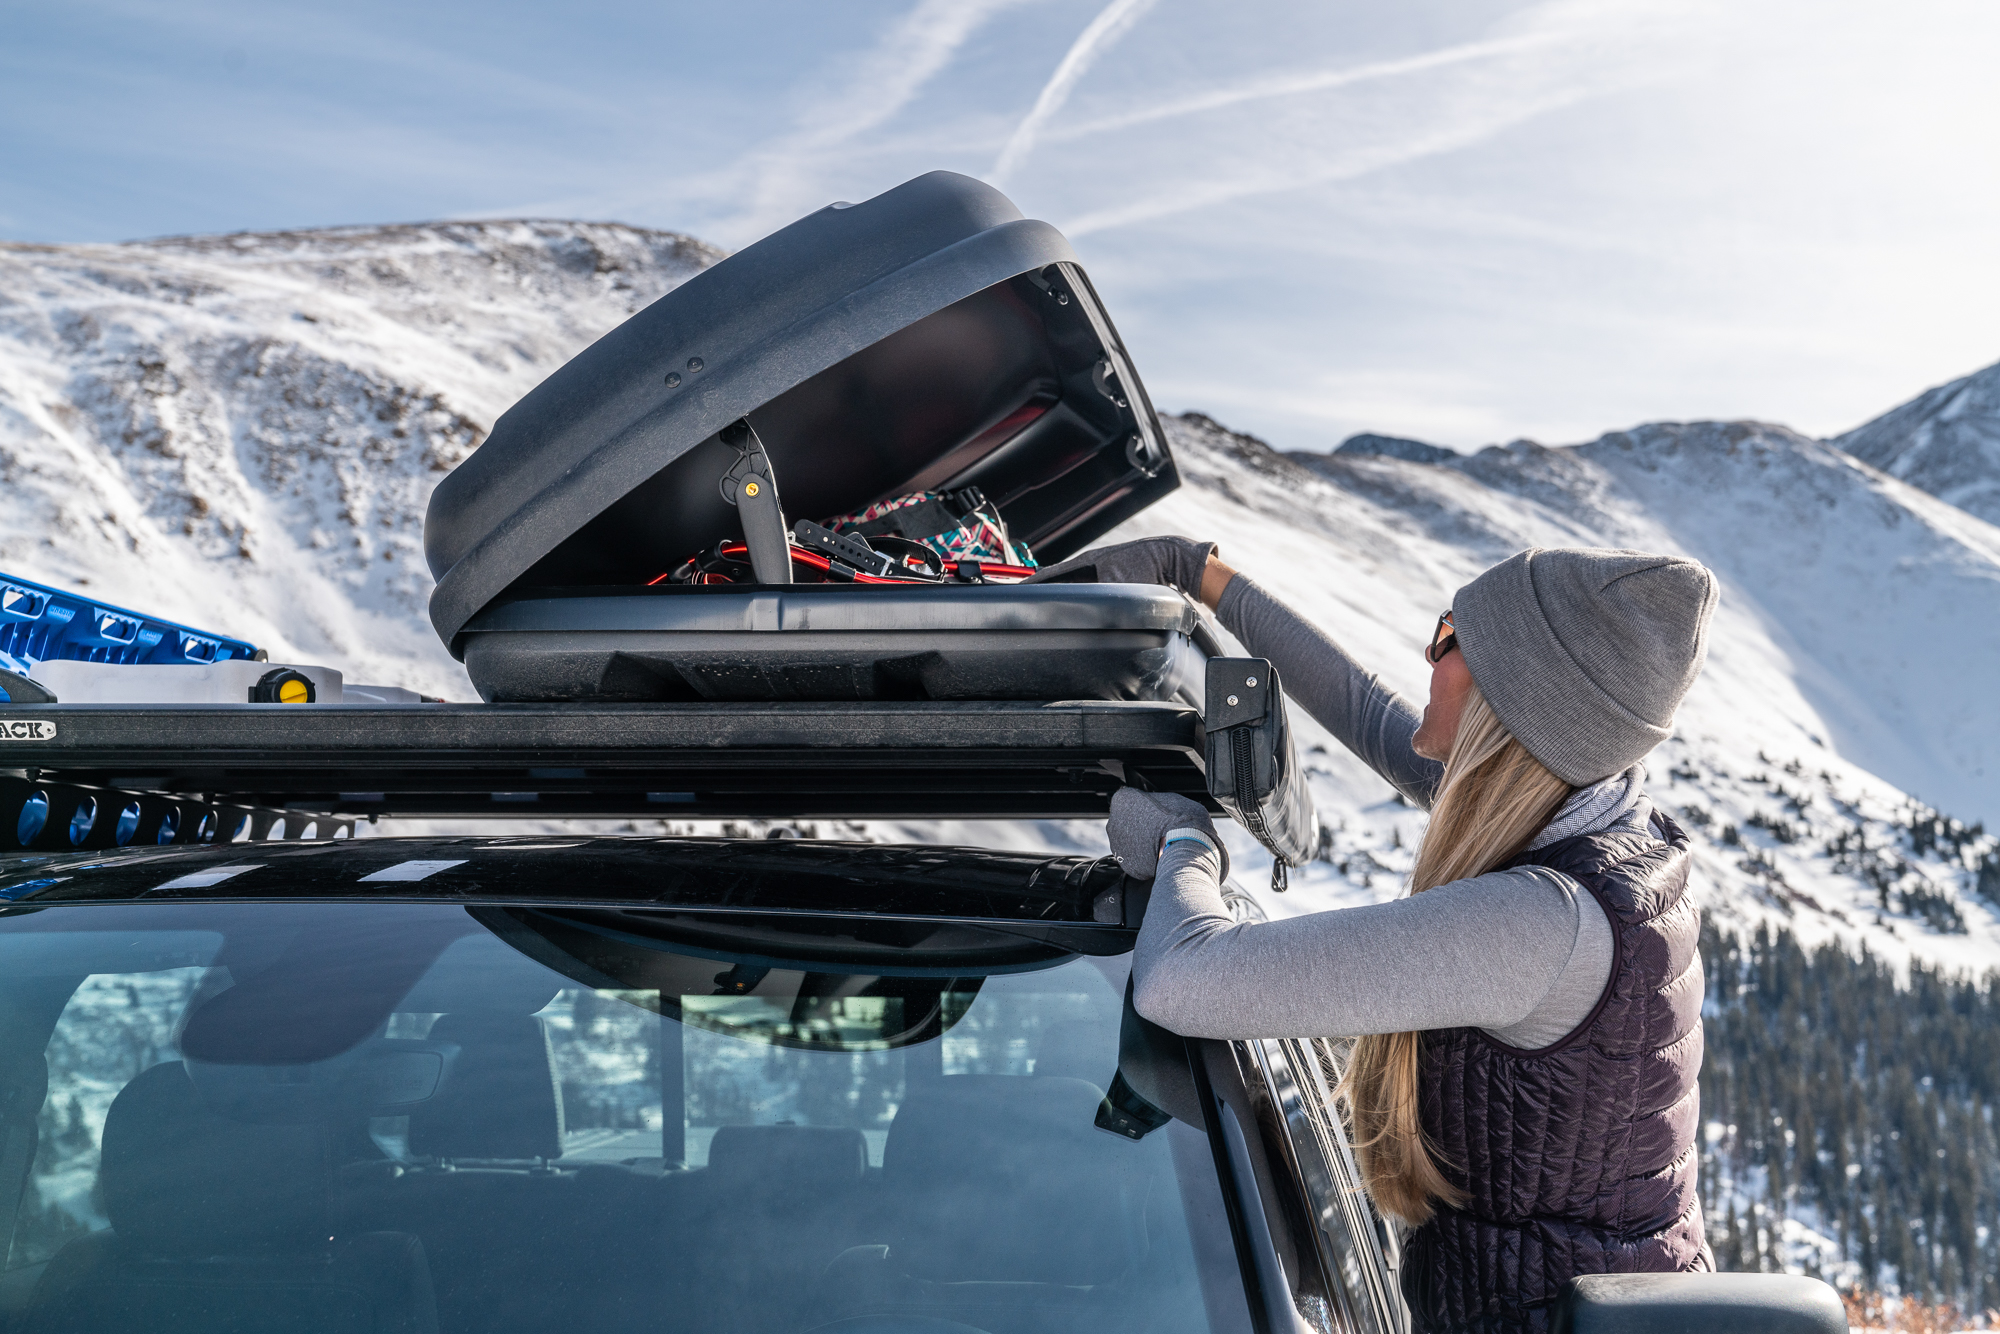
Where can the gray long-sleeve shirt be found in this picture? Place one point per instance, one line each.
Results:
(1524, 954)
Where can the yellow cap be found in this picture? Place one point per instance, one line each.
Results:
(293, 692)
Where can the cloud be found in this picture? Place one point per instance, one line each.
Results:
(1280, 132)
(778, 179)
(1103, 32)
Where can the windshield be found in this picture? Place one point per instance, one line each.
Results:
(341, 1116)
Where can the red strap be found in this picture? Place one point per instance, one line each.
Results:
(816, 561)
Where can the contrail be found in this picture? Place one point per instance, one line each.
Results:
(1110, 24)
(1288, 175)
(1292, 85)
(879, 84)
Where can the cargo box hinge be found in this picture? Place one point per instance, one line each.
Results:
(752, 487)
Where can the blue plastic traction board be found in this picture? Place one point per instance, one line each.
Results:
(38, 624)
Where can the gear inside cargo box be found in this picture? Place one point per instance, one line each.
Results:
(927, 537)
(958, 525)
(821, 469)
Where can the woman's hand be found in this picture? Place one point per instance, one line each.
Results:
(1177, 562)
(1139, 820)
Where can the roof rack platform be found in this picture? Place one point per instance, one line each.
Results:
(785, 760)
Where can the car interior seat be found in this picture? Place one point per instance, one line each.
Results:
(510, 1239)
(503, 1101)
(774, 1206)
(1003, 1208)
(219, 1224)
(518, 1241)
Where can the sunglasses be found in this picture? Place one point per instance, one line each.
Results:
(1443, 641)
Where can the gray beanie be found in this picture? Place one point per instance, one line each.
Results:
(1584, 653)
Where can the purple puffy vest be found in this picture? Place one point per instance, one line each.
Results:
(1579, 1158)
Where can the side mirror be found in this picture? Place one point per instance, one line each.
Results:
(1675, 1303)
(1253, 770)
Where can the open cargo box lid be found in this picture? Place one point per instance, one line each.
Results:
(930, 338)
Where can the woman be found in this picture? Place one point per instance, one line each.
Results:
(1523, 1089)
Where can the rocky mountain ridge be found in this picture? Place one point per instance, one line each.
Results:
(1802, 535)
(1945, 441)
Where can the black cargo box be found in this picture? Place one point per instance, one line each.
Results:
(929, 339)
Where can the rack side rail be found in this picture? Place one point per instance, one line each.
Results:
(891, 759)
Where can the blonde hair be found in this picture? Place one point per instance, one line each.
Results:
(1494, 798)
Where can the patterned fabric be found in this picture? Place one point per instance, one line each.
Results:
(958, 525)
(1580, 1157)
(1614, 801)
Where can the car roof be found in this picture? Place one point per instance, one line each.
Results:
(701, 875)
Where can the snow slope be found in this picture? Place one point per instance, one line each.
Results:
(1836, 580)
(1946, 441)
(243, 432)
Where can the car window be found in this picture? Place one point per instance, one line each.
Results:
(412, 1098)
(115, 1026)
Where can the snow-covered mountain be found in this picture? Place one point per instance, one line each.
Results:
(1840, 581)
(243, 431)
(1822, 707)
(1946, 441)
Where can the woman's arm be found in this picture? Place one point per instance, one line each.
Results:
(1366, 716)
(1479, 953)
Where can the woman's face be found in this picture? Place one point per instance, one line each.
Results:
(1449, 682)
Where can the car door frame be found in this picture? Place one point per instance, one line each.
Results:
(1316, 1254)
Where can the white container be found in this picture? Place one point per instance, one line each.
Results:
(355, 693)
(232, 682)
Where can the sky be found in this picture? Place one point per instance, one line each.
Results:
(1466, 221)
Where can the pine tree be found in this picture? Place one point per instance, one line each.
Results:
(1868, 1101)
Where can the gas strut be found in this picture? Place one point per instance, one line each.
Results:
(752, 488)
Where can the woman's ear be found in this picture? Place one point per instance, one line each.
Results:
(1451, 681)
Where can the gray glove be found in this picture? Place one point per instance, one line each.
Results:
(1139, 820)
(1174, 561)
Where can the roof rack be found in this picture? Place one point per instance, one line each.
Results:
(333, 764)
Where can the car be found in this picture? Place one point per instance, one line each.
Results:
(633, 1083)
